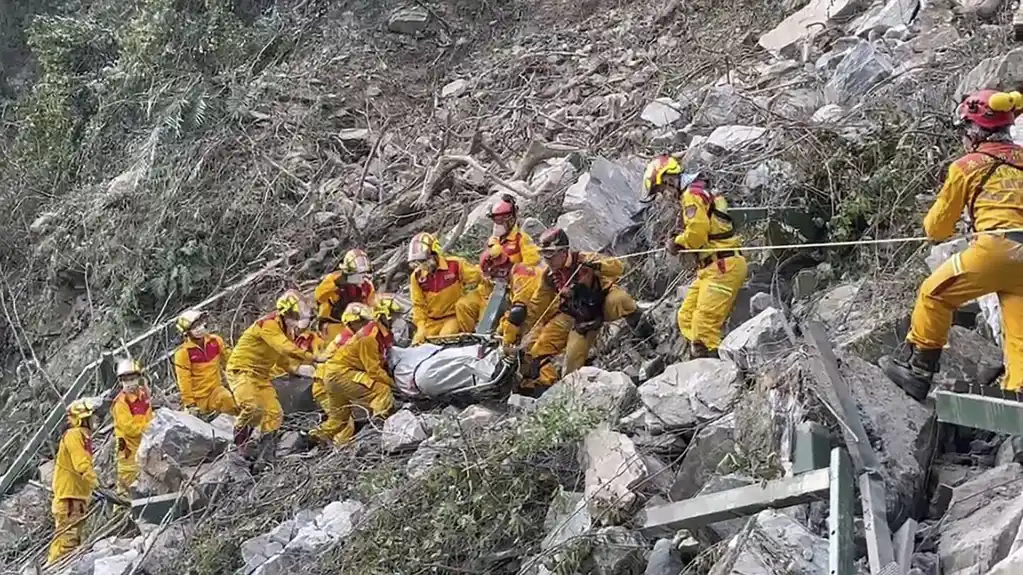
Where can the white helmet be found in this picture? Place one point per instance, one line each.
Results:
(128, 366)
(187, 319)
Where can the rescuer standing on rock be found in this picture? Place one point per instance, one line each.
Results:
(269, 341)
(721, 273)
(988, 183)
(515, 243)
(197, 364)
(580, 290)
(437, 283)
(131, 412)
(353, 282)
(522, 279)
(74, 478)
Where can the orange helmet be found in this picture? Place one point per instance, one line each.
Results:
(494, 262)
(990, 109)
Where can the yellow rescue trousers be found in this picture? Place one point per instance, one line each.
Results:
(992, 264)
(336, 395)
(127, 469)
(437, 327)
(68, 524)
(710, 299)
(220, 401)
(258, 406)
(558, 335)
(331, 329)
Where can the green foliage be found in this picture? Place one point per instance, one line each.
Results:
(485, 495)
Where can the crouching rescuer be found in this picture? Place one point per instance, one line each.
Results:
(578, 292)
(131, 412)
(74, 479)
(353, 368)
(522, 280)
(268, 342)
(197, 364)
(721, 272)
(352, 282)
(437, 285)
(988, 183)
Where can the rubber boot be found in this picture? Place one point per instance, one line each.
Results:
(699, 351)
(641, 327)
(242, 435)
(307, 442)
(913, 370)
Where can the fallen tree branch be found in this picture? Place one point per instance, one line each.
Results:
(537, 152)
(444, 166)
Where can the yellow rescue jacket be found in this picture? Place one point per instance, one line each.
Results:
(704, 221)
(132, 414)
(333, 295)
(73, 474)
(434, 294)
(556, 284)
(361, 357)
(197, 367)
(518, 246)
(985, 184)
(263, 345)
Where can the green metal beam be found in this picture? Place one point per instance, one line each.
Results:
(841, 529)
(880, 551)
(979, 412)
(494, 311)
(812, 447)
(666, 520)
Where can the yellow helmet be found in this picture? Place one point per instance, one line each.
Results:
(128, 366)
(289, 303)
(79, 410)
(187, 319)
(422, 246)
(357, 312)
(660, 166)
(386, 306)
(355, 262)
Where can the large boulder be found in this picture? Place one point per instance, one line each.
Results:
(409, 21)
(608, 393)
(308, 534)
(982, 522)
(613, 470)
(602, 203)
(662, 112)
(403, 431)
(567, 519)
(689, 393)
(173, 442)
(969, 357)
(664, 559)
(230, 470)
(861, 69)
(1003, 72)
(617, 551)
(705, 453)
(785, 38)
(722, 105)
(901, 431)
(776, 545)
(726, 139)
(760, 339)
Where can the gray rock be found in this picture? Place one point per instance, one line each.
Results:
(828, 114)
(690, 393)
(784, 39)
(295, 394)
(662, 112)
(1011, 565)
(969, 357)
(769, 73)
(722, 105)
(617, 551)
(403, 431)
(759, 302)
(476, 418)
(722, 530)
(533, 227)
(901, 432)
(861, 69)
(1010, 451)
(409, 21)
(733, 138)
(353, 135)
(705, 452)
(174, 441)
(609, 393)
(454, 89)
(982, 8)
(42, 224)
(309, 533)
(664, 559)
(777, 545)
(11, 534)
(797, 103)
(521, 403)
(804, 284)
(162, 549)
(103, 549)
(567, 519)
(229, 469)
(1003, 72)
(830, 60)
(549, 177)
(46, 472)
(667, 138)
(757, 341)
(613, 470)
(116, 564)
(602, 203)
(885, 15)
(770, 175)
(981, 524)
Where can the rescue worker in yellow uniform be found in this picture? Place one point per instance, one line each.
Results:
(197, 364)
(267, 342)
(988, 183)
(522, 280)
(577, 293)
(352, 282)
(437, 283)
(354, 368)
(515, 243)
(74, 479)
(720, 273)
(131, 412)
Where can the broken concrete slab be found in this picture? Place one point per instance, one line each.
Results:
(605, 392)
(784, 39)
(759, 340)
(690, 393)
(706, 451)
(403, 431)
(614, 469)
(982, 522)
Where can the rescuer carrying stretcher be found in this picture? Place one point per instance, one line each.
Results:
(988, 183)
(721, 273)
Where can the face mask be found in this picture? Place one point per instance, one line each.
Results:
(500, 229)
(130, 385)
(198, 332)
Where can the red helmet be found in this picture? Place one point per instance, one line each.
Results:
(990, 109)
(494, 262)
(503, 207)
(552, 240)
